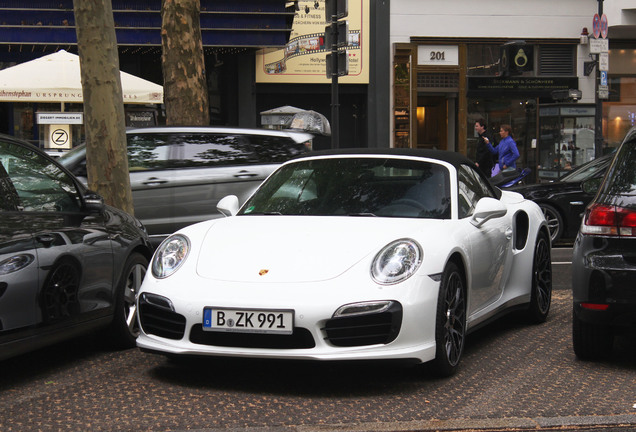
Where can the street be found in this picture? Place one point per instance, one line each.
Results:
(514, 376)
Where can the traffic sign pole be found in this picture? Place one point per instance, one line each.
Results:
(598, 114)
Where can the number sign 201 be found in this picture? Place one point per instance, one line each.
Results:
(437, 55)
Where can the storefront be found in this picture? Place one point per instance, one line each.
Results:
(530, 65)
(442, 86)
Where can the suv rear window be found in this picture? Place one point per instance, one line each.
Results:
(623, 179)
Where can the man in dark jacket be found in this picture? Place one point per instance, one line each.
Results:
(484, 159)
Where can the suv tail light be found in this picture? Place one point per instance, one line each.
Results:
(609, 221)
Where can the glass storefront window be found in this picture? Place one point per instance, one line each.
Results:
(519, 114)
(566, 138)
(619, 113)
(402, 98)
(483, 60)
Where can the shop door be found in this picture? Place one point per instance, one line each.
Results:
(432, 122)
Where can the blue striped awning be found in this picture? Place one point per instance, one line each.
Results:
(231, 23)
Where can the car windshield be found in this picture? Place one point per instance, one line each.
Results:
(587, 171)
(356, 186)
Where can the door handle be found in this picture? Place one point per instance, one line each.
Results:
(154, 181)
(245, 174)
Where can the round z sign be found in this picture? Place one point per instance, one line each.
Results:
(59, 137)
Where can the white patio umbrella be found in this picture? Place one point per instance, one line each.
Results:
(56, 78)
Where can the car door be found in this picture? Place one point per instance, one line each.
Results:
(208, 167)
(152, 181)
(18, 260)
(70, 276)
(491, 243)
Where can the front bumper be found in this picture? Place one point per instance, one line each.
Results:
(172, 324)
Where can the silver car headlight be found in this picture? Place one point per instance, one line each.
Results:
(396, 262)
(15, 263)
(170, 255)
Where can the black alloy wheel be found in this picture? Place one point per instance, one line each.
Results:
(59, 298)
(450, 325)
(541, 294)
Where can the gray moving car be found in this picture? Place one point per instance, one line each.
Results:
(178, 174)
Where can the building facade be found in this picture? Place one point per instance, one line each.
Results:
(527, 64)
(430, 69)
(233, 33)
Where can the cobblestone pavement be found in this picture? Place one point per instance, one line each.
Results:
(514, 376)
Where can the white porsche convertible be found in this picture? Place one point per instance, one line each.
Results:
(359, 254)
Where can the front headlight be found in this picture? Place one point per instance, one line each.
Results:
(396, 262)
(15, 263)
(170, 255)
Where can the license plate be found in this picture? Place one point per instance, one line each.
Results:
(248, 320)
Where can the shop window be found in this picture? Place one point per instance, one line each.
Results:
(402, 98)
(483, 59)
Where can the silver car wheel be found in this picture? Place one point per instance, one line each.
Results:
(555, 224)
(133, 283)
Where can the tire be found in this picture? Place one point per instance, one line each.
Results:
(554, 219)
(125, 326)
(541, 294)
(450, 321)
(591, 341)
(59, 299)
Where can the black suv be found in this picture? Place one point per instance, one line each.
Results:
(604, 259)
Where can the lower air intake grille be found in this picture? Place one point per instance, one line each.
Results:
(300, 339)
(161, 322)
(368, 329)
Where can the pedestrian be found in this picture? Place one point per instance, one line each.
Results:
(507, 154)
(484, 159)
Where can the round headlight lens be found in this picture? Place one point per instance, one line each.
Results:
(170, 255)
(396, 262)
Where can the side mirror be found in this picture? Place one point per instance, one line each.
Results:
(591, 186)
(93, 202)
(487, 208)
(228, 206)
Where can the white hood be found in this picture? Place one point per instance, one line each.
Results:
(293, 249)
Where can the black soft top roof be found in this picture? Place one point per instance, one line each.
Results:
(447, 156)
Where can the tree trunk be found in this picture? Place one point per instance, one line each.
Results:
(106, 152)
(184, 87)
